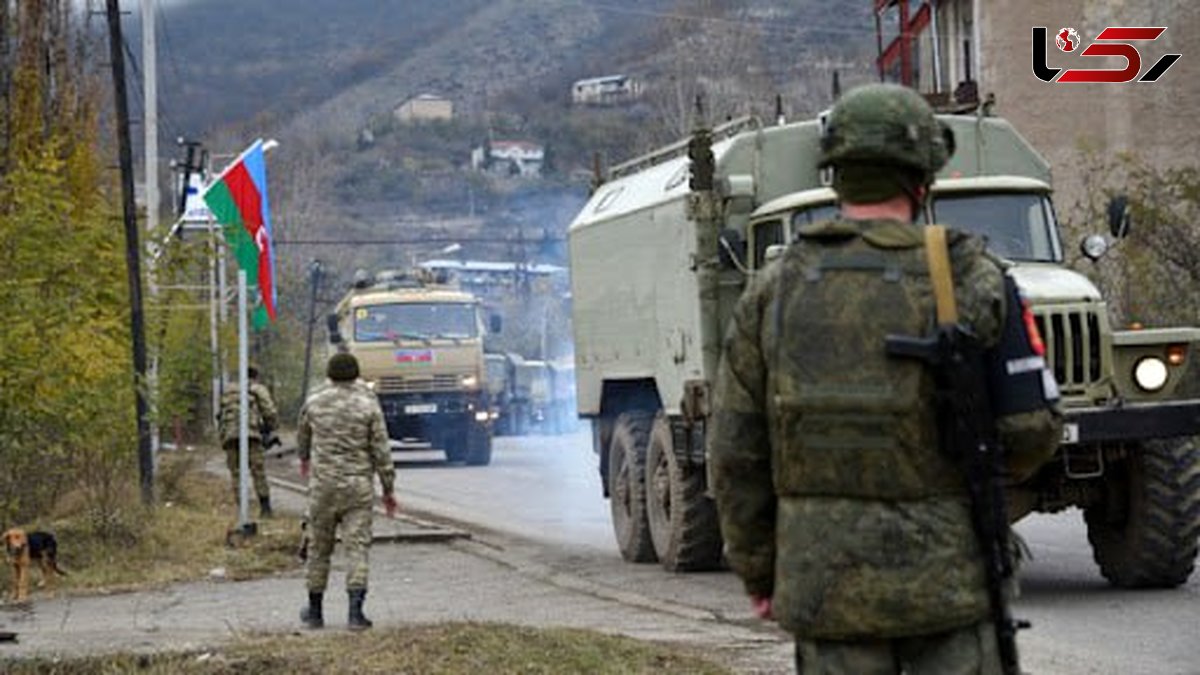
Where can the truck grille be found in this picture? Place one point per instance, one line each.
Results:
(403, 385)
(1073, 347)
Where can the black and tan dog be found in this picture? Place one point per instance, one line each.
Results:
(23, 550)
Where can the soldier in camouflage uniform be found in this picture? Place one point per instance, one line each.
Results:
(843, 518)
(344, 444)
(263, 419)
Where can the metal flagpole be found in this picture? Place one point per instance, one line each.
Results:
(244, 410)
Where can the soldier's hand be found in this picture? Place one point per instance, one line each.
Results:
(762, 607)
(304, 469)
(390, 505)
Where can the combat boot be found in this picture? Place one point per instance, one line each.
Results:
(357, 620)
(264, 506)
(311, 616)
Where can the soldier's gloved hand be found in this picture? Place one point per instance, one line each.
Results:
(390, 505)
(304, 469)
(762, 607)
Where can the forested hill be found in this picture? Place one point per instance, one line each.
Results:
(337, 62)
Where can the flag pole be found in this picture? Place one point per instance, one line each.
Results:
(244, 524)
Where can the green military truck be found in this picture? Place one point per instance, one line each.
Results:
(419, 343)
(664, 246)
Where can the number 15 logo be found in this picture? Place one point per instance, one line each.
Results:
(1118, 39)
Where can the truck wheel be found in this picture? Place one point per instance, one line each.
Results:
(627, 480)
(456, 445)
(683, 520)
(1144, 533)
(479, 446)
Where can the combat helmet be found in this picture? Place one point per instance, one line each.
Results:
(881, 129)
(342, 367)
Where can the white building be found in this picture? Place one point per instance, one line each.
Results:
(509, 158)
(605, 90)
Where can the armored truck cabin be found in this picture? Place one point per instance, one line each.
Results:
(419, 343)
(665, 245)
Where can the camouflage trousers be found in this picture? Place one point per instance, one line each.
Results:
(347, 507)
(258, 468)
(965, 651)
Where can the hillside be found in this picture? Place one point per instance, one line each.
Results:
(324, 76)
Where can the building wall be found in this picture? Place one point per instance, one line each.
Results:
(1156, 122)
(418, 109)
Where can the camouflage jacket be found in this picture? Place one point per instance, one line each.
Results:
(853, 536)
(343, 433)
(263, 414)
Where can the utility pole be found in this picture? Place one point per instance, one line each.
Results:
(132, 256)
(150, 161)
(315, 271)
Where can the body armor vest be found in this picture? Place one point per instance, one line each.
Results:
(850, 421)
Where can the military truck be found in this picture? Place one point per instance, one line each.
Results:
(419, 343)
(499, 369)
(665, 245)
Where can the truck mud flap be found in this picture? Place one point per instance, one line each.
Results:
(1131, 422)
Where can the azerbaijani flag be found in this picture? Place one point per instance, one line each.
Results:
(238, 200)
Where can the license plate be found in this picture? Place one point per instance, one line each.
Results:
(420, 408)
(1070, 433)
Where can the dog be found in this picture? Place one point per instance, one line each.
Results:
(23, 550)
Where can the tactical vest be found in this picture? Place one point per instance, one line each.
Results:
(229, 414)
(850, 421)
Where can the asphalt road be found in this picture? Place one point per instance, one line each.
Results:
(540, 498)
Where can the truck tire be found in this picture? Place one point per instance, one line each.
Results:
(456, 444)
(1144, 533)
(627, 485)
(683, 519)
(479, 446)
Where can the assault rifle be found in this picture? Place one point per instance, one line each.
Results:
(967, 429)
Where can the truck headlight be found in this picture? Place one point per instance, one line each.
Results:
(372, 385)
(1150, 373)
(469, 381)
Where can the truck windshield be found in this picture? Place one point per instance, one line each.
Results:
(1018, 226)
(415, 321)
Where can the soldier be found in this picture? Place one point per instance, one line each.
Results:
(264, 420)
(343, 438)
(842, 516)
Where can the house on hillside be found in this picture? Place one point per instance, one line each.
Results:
(423, 108)
(509, 158)
(607, 90)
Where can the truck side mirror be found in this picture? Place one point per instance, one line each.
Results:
(335, 333)
(494, 323)
(731, 250)
(1118, 216)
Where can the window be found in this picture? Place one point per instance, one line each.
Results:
(415, 321)
(1017, 226)
(767, 233)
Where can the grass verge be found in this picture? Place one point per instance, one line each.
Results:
(183, 538)
(434, 650)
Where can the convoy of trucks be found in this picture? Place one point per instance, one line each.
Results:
(692, 222)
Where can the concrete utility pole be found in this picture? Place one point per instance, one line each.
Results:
(132, 257)
(315, 279)
(150, 161)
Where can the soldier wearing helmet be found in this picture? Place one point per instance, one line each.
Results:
(263, 421)
(343, 445)
(842, 516)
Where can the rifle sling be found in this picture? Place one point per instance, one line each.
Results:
(938, 253)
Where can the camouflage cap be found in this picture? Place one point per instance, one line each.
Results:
(886, 125)
(342, 367)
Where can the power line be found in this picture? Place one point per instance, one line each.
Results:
(444, 239)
